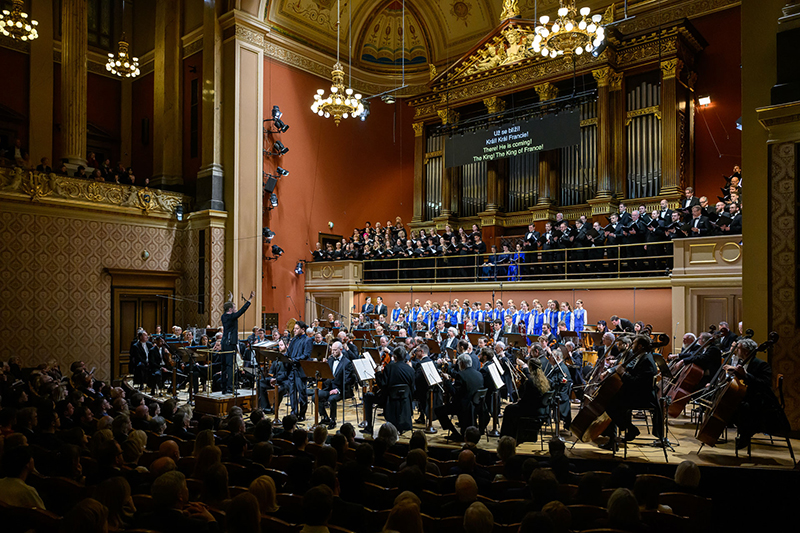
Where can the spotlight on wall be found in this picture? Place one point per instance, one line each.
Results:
(388, 99)
(739, 124)
(277, 251)
(704, 100)
(282, 171)
(273, 200)
(298, 270)
(276, 112)
(179, 212)
(596, 51)
(279, 148)
(267, 234)
(280, 125)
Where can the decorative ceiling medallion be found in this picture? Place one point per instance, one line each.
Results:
(461, 10)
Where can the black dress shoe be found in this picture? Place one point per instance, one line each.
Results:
(367, 430)
(325, 420)
(332, 424)
(301, 418)
(420, 420)
(742, 442)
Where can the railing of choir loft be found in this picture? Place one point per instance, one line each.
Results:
(652, 259)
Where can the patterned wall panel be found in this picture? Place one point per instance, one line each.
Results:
(55, 297)
(782, 274)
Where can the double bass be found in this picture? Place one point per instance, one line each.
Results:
(687, 382)
(729, 392)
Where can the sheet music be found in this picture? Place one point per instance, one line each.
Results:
(267, 344)
(430, 373)
(499, 367)
(363, 369)
(493, 371)
(369, 358)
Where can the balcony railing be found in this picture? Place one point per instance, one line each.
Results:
(617, 261)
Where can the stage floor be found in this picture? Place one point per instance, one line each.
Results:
(681, 436)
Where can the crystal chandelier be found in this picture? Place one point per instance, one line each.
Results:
(340, 103)
(570, 33)
(16, 24)
(122, 64)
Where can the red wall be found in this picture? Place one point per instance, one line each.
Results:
(348, 174)
(142, 154)
(651, 306)
(719, 75)
(16, 79)
(191, 165)
(103, 108)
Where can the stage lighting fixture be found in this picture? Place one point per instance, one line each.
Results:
(739, 124)
(299, 268)
(280, 125)
(276, 112)
(282, 171)
(268, 234)
(704, 100)
(277, 251)
(279, 148)
(596, 51)
(365, 113)
(388, 99)
(179, 212)
(273, 200)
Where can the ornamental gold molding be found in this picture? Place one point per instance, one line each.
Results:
(419, 129)
(661, 16)
(546, 91)
(603, 76)
(671, 68)
(39, 187)
(652, 110)
(251, 36)
(448, 116)
(494, 104)
(615, 83)
(510, 10)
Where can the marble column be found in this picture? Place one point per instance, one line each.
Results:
(604, 131)
(210, 176)
(40, 136)
(167, 123)
(419, 172)
(74, 46)
(242, 83)
(670, 151)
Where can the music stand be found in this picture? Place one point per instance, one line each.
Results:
(433, 346)
(663, 404)
(473, 337)
(319, 352)
(433, 378)
(262, 356)
(494, 372)
(516, 339)
(321, 371)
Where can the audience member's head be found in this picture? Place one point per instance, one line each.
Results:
(646, 489)
(208, 456)
(87, 516)
(243, 514)
(339, 443)
(169, 448)
(466, 461)
(263, 430)
(320, 435)
(263, 488)
(590, 490)
(317, 505)
(466, 488)
(388, 433)
(560, 515)
(417, 458)
(349, 432)
(623, 510)
(687, 476)
(326, 456)
(478, 519)
(289, 422)
(262, 453)
(204, 439)
(536, 522)
(215, 485)
(300, 438)
(115, 494)
(162, 465)
(543, 486)
(418, 441)
(506, 448)
(621, 477)
(404, 517)
(169, 491)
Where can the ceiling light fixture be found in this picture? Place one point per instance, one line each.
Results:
(340, 103)
(122, 64)
(572, 32)
(16, 23)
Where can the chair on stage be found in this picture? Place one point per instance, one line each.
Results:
(771, 441)
(532, 425)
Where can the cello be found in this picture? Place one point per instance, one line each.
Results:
(728, 395)
(686, 383)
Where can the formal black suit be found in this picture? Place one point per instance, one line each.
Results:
(736, 224)
(421, 388)
(709, 359)
(280, 373)
(139, 360)
(625, 218)
(726, 341)
(532, 403)
(382, 310)
(703, 224)
(230, 343)
(637, 392)
(397, 412)
(299, 350)
(342, 381)
(688, 204)
(368, 309)
(760, 410)
(624, 325)
(665, 216)
(465, 384)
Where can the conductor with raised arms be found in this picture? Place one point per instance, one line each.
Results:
(230, 341)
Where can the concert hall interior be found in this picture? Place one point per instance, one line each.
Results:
(399, 265)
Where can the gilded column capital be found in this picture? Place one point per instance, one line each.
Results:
(494, 104)
(603, 76)
(510, 10)
(671, 68)
(448, 116)
(419, 129)
(546, 91)
(615, 82)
